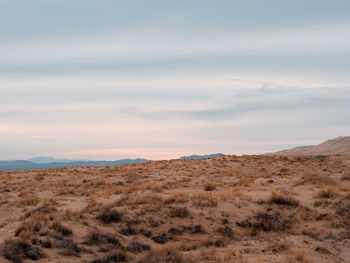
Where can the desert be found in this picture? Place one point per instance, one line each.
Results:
(174, 131)
(224, 209)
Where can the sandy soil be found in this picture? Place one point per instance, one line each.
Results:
(226, 209)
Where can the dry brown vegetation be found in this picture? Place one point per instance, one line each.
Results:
(226, 209)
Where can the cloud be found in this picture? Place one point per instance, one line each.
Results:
(183, 76)
(269, 98)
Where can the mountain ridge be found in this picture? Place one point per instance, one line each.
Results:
(338, 145)
(44, 162)
(20, 165)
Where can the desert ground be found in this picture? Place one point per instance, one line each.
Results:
(225, 209)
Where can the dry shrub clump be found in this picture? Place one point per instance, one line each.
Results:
(63, 230)
(154, 187)
(245, 181)
(50, 201)
(277, 247)
(2, 223)
(205, 200)
(148, 199)
(30, 226)
(267, 222)
(329, 192)
(17, 250)
(296, 257)
(96, 237)
(227, 232)
(176, 198)
(67, 247)
(168, 253)
(108, 216)
(28, 200)
(345, 177)
(313, 233)
(135, 247)
(113, 257)
(280, 199)
(179, 212)
(316, 179)
(209, 186)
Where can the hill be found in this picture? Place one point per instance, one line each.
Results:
(339, 145)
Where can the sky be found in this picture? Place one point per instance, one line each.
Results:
(112, 79)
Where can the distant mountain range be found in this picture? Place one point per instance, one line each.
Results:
(44, 159)
(197, 157)
(43, 162)
(20, 165)
(339, 145)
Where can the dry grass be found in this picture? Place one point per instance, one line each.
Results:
(28, 200)
(176, 198)
(329, 192)
(245, 181)
(168, 253)
(154, 187)
(316, 179)
(148, 199)
(205, 200)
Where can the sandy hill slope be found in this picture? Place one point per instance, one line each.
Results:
(224, 209)
(339, 145)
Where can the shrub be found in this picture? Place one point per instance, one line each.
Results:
(28, 200)
(176, 198)
(226, 231)
(316, 179)
(68, 247)
(346, 177)
(245, 181)
(161, 239)
(329, 192)
(313, 233)
(134, 246)
(209, 186)
(17, 250)
(96, 237)
(58, 227)
(205, 200)
(168, 253)
(28, 228)
(282, 200)
(266, 222)
(109, 215)
(179, 212)
(113, 257)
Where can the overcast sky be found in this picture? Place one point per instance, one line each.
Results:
(109, 79)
